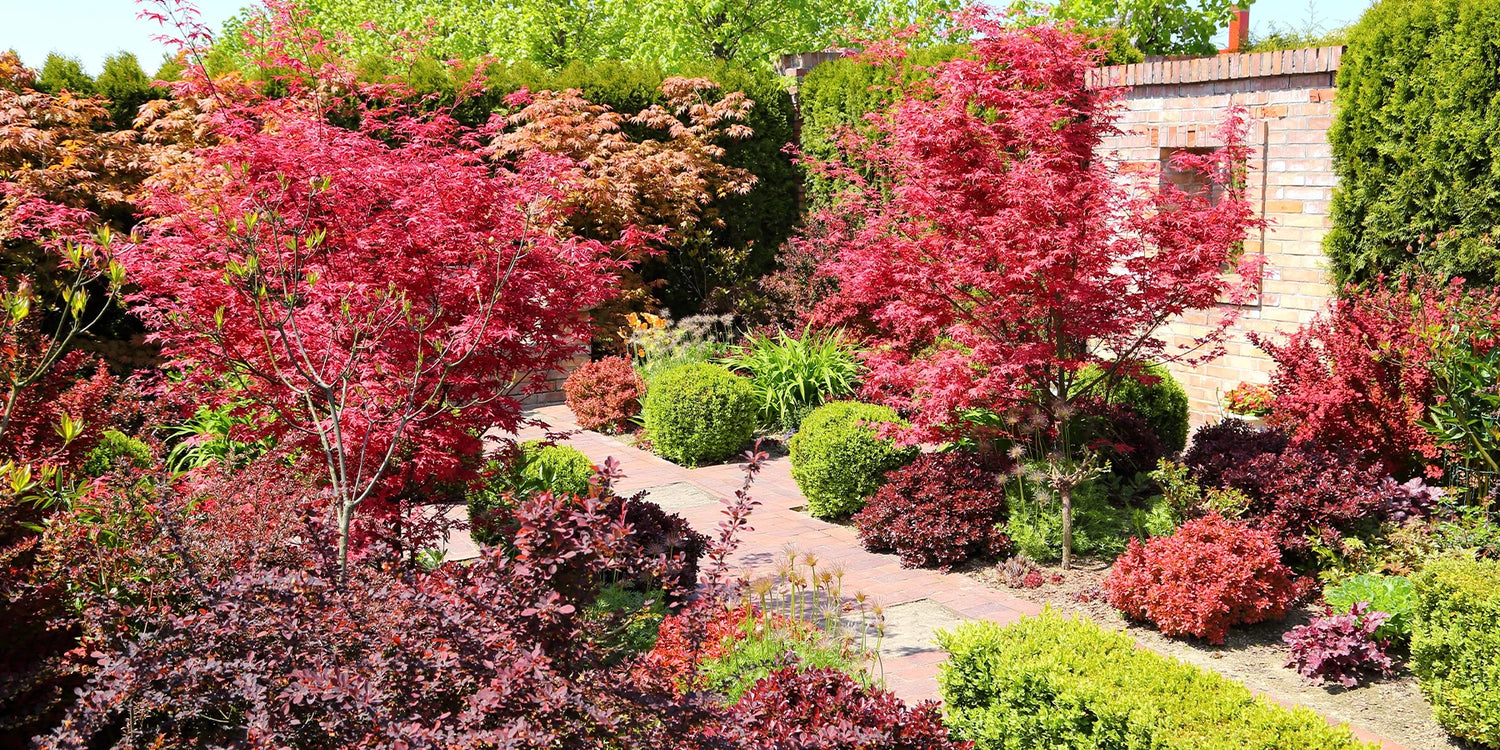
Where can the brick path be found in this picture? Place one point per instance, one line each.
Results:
(910, 658)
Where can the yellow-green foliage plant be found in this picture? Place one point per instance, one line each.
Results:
(1066, 684)
(699, 413)
(839, 457)
(1455, 644)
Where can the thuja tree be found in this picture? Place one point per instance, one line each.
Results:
(997, 256)
(343, 257)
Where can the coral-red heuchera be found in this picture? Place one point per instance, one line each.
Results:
(1211, 575)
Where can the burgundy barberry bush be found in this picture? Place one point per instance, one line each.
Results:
(940, 510)
(1340, 648)
(1221, 449)
(814, 709)
(605, 394)
(1206, 578)
(1359, 379)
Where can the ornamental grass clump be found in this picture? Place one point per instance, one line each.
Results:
(794, 375)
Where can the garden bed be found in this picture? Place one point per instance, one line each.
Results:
(1392, 708)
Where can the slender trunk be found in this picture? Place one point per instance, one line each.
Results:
(1065, 492)
(346, 512)
(10, 405)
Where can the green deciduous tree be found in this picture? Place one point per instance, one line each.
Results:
(1158, 27)
(554, 33)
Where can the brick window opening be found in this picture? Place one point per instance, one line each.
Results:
(1190, 181)
(1196, 182)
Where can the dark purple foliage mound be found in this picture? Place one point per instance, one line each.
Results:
(1224, 448)
(1411, 500)
(939, 510)
(1340, 648)
(824, 709)
(495, 653)
(1294, 490)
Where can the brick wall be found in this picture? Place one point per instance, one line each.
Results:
(552, 393)
(1176, 104)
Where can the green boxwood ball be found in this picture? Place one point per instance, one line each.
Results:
(838, 459)
(699, 413)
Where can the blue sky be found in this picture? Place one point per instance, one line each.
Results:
(94, 29)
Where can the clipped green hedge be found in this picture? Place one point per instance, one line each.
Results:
(839, 93)
(838, 459)
(1057, 683)
(1455, 645)
(1414, 143)
(699, 413)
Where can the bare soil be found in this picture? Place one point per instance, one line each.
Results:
(1393, 708)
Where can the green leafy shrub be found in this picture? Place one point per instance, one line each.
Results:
(532, 468)
(1035, 526)
(1455, 645)
(1389, 594)
(699, 413)
(793, 376)
(624, 621)
(1064, 683)
(838, 459)
(114, 448)
(1413, 143)
(1163, 404)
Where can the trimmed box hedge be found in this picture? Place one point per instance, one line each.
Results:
(1051, 682)
(1455, 645)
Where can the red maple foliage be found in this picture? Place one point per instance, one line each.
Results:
(1209, 576)
(348, 260)
(1000, 254)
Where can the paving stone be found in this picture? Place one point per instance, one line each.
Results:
(680, 496)
(911, 628)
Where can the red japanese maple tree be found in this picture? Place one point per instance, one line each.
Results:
(342, 256)
(999, 252)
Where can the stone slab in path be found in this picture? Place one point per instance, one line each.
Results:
(679, 496)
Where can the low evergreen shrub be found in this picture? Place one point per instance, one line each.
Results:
(1455, 645)
(699, 413)
(1066, 684)
(839, 459)
(1157, 398)
(605, 394)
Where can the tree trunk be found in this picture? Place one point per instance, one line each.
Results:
(346, 512)
(1065, 493)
